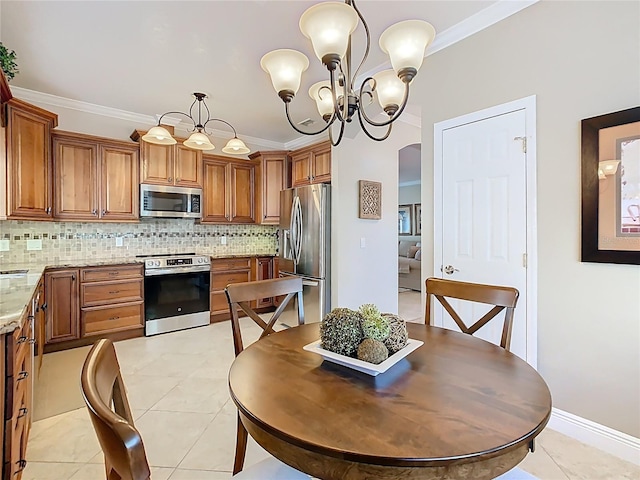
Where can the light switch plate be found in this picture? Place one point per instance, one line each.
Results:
(363, 242)
(34, 244)
(119, 241)
(4, 245)
(223, 240)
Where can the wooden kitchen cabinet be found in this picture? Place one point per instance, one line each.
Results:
(96, 178)
(28, 143)
(62, 315)
(311, 164)
(271, 178)
(223, 272)
(229, 190)
(262, 268)
(175, 165)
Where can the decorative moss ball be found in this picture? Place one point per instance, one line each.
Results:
(398, 336)
(372, 351)
(341, 331)
(374, 325)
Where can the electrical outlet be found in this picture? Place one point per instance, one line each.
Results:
(4, 245)
(34, 244)
(363, 242)
(223, 240)
(119, 241)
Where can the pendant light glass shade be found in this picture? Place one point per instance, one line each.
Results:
(285, 68)
(405, 43)
(389, 88)
(236, 146)
(329, 25)
(159, 135)
(322, 97)
(199, 141)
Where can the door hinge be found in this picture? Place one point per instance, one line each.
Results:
(524, 260)
(524, 143)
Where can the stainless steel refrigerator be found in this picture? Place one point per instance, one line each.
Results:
(305, 247)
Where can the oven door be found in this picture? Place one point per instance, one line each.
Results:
(176, 301)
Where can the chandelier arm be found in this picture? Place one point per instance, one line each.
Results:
(235, 134)
(178, 113)
(377, 139)
(208, 113)
(393, 117)
(286, 107)
(191, 113)
(367, 46)
(335, 144)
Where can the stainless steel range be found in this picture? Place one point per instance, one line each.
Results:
(176, 292)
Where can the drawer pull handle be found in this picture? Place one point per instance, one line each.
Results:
(23, 411)
(21, 339)
(22, 375)
(113, 292)
(114, 318)
(32, 341)
(21, 466)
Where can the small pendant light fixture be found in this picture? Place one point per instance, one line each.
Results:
(329, 26)
(199, 139)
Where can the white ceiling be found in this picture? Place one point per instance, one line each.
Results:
(147, 57)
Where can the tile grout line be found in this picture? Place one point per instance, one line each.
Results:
(567, 477)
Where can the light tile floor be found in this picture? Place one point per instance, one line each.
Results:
(177, 386)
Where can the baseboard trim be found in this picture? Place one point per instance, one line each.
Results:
(622, 445)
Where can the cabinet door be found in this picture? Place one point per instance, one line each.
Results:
(243, 199)
(321, 164)
(119, 183)
(215, 192)
(39, 321)
(157, 163)
(300, 171)
(188, 167)
(63, 318)
(75, 165)
(264, 271)
(29, 164)
(273, 181)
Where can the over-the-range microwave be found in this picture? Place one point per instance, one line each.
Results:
(170, 202)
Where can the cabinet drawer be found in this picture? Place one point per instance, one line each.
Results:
(101, 274)
(230, 264)
(111, 292)
(221, 280)
(219, 303)
(112, 319)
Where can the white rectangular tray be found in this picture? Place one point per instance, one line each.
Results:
(361, 366)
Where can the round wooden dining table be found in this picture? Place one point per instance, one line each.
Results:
(457, 407)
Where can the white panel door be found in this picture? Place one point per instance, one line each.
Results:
(484, 216)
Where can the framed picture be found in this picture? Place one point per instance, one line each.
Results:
(405, 219)
(611, 187)
(417, 218)
(370, 200)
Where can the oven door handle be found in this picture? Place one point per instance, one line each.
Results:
(169, 271)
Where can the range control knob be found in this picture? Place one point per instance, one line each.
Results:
(200, 260)
(157, 263)
(149, 263)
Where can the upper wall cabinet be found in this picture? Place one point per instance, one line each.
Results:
(311, 164)
(28, 130)
(169, 164)
(229, 190)
(271, 179)
(95, 178)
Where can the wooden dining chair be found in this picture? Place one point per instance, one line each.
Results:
(502, 298)
(240, 296)
(106, 399)
(124, 454)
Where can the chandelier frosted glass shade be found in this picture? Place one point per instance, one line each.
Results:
(285, 68)
(199, 141)
(405, 43)
(389, 88)
(329, 26)
(236, 146)
(321, 93)
(160, 136)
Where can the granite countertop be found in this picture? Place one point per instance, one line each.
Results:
(17, 289)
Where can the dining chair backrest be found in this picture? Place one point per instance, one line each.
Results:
(241, 295)
(502, 298)
(104, 393)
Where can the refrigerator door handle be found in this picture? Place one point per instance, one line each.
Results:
(298, 228)
(292, 231)
(310, 283)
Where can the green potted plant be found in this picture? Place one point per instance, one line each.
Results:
(8, 62)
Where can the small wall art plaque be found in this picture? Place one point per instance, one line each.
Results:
(370, 200)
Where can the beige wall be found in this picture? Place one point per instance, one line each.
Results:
(581, 59)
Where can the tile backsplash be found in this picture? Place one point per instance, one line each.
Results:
(62, 241)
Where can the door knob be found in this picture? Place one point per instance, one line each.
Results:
(449, 269)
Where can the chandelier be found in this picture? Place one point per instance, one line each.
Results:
(329, 26)
(199, 139)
